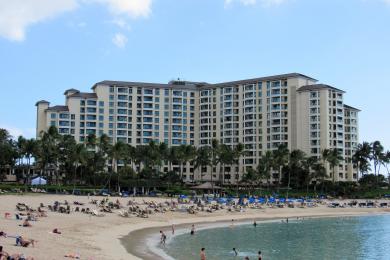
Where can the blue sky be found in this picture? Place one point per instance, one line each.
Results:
(48, 46)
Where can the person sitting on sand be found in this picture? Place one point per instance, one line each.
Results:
(3, 255)
(24, 242)
(56, 231)
(26, 223)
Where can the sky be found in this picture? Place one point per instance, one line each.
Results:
(49, 46)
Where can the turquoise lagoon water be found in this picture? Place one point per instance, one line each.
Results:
(366, 237)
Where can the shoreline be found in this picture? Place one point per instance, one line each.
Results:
(138, 241)
(106, 238)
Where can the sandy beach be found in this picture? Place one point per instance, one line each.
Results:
(100, 237)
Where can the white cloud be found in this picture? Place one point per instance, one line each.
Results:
(120, 40)
(131, 8)
(121, 23)
(386, 1)
(16, 131)
(17, 15)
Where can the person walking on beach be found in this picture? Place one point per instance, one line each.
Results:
(192, 230)
(235, 251)
(173, 229)
(259, 256)
(254, 223)
(202, 254)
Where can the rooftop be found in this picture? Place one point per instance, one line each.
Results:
(58, 108)
(83, 95)
(275, 77)
(192, 84)
(351, 108)
(42, 101)
(318, 87)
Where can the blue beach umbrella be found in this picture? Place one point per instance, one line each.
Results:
(261, 200)
(222, 200)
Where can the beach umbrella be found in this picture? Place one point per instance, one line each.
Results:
(271, 200)
(252, 200)
(38, 181)
(222, 200)
(282, 200)
(261, 200)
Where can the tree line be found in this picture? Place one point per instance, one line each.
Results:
(95, 162)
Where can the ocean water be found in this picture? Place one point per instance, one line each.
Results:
(366, 237)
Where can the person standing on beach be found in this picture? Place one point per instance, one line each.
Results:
(254, 223)
(192, 230)
(259, 256)
(173, 229)
(202, 254)
(235, 251)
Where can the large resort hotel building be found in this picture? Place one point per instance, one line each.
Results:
(261, 113)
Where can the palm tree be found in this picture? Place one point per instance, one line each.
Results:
(333, 157)
(8, 152)
(203, 159)
(238, 152)
(215, 160)
(226, 157)
(308, 165)
(29, 150)
(361, 158)
(116, 153)
(78, 157)
(172, 156)
(319, 172)
(49, 150)
(264, 167)
(187, 154)
(280, 159)
(295, 162)
(377, 156)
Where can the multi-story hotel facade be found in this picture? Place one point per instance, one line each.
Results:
(261, 113)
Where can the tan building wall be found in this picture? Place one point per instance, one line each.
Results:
(261, 113)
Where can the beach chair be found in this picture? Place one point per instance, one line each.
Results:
(94, 212)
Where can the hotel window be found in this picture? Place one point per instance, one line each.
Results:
(91, 102)
(53, 123)
(53, 115)
(156, 99)
(112, 89)
(157, 91)
(101, 103)
(82, 102)
(72, 116)
(166, 92)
